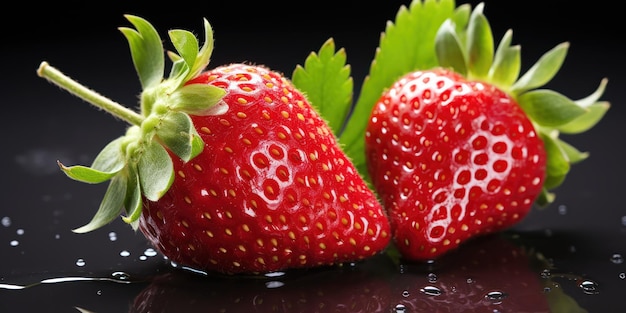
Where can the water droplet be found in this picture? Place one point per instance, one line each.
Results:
(19, 232)
(496, 296)
(274, 284)
(545, 274)
(400, 308)
(99, 292)
(431, 291)
(572, 249)
(124, 253)
(6, 221)
(120, 276)
(275, 274)
(143, 258)
(624, 220)
(432, 277)
(406, 293)
(150, 252)
(402, 268)
(547, 289)
(617, 258)
(622, 275)
(470, 281)
(562, 209)
(80, 262)
(112, 236)
(589, 287)
(57, 236)
(14, 243)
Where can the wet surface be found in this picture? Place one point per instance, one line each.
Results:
(569, 255)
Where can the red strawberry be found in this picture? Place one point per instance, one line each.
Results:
(230, 169)
(466, 148)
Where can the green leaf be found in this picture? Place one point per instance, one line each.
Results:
(110, 207)
(507, 63)
(584, 122)
(146, 50)
(449, 51)
(186, 44)
(111, 158)
(107, 164)
(593, 98)
(549, 108)
(204, 55)
(156, 171)
(543, 71)
(325, 80)
(573, 155)
(176, 130)
(195, 99)
(132, 201)
(85, 174)
(479, 44)
(396, 56)
(557, 164)
(545, 198)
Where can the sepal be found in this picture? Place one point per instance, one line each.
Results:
(146, 50)
(132, 200)
(557, 163)
(196, 99)
(156, 171)
(543, 70)
(107, 164)
(549, 108)
(110, 207)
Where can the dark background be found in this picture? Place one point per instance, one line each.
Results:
(41, 123)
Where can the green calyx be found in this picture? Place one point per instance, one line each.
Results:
(464, 43)
(138, 164)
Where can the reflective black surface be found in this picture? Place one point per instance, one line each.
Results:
(569, 251)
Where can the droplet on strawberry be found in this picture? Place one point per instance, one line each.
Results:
(227, 169)
(466, 148)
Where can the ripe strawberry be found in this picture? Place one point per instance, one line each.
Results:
(230, 169)
(271, 190)
(465, 148)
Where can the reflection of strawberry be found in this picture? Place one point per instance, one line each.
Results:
(358, 288)
(228, 169)
(488, 274)
(466, 148)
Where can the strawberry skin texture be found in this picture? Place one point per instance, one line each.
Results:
(451, 159)
(271, 190)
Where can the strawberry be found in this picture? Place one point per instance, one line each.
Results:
(228, 169)
(465, 148)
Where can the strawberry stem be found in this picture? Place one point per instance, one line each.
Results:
(56, 77)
